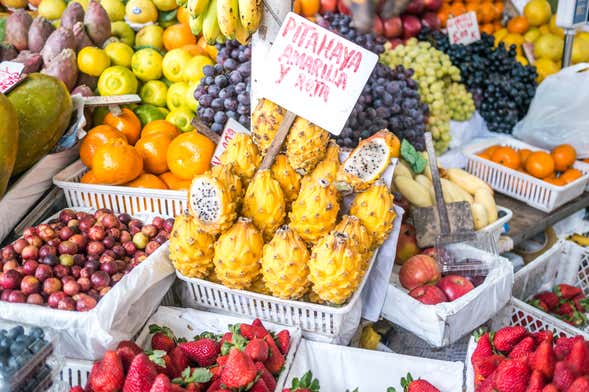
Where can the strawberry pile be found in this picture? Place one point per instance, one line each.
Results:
(514, 360)
(247, 358)
(566, 302)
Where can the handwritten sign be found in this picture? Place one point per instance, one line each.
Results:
(232, 127)
(463, 29)
(10, 75)
(315, 73)
(112, 100)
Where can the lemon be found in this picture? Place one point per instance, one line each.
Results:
(554, 29)
(152, 35)
(174, 63)
(182, 118)
(580, 51)
(189, 99)
(165, 5)
(538, 12)
(119, 53)
(176, 97)
(548, 46)
(499, 35)
(582, 35)
(532, 35)
(154, 92)
(141, 11)
(544, 29)
(117, 80)
(123, 32)
(546, 67)
(193, 70)
(93, 61)
(514, 39)
(51, 9)
(114, 8)
(522, 60)
(147, 64)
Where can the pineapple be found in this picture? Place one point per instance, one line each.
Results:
(352, 226)
(210, 203)
(232, 181)
(191, 249)
(289, 179)
(328, 167)
(314, 212)
(335, 268)
(266, 120)
(305, 145)
(243, 154)
(264, 203)
(237, 255)
(374, 208)
(284, 265)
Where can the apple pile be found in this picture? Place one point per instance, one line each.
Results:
(71, 262)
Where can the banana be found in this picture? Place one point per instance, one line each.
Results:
(197, 7)
(449, 191)
(467, 181)
(460, 194)
(250, 14)
(580, 239)
(241, 33)
(228, 16)
(485, 198)
(196, 24)
(413, 191)
(479, 215)
(210, 25)
(423, 180)
(402, 169)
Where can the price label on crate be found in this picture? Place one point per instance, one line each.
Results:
(315, 73)
(232, 128)
(10, 75)
(463, 29)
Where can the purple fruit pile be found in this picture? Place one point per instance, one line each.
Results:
(71, 262)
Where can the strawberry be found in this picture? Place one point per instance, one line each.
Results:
(275, 360)
(483, 349)
(486, 366)
(257, 349)
(222, 360)
(127, 351)
(419, 385)
(215, 386)
(305, 384)
(259, 386)
(563, 347)
(252, 331)
(488, 385)
(192, 387)
(194, 377)
(203, 351)
(258, 323)
(549, 298)
(216, 372)
(161, 384)
(564, 309)
(566, 291)
(266, 376)
(536, 382)
(524, 348)
(163, 338)
(179, 360)
(239, 371)
(540, 305)
(163, 362)
(77, 389)
(550, 388)
(227, 337)
(108, 375)
(507, 337)
(544, 359)
(512, 376)
(283, 341)
(540, 336)
(581, 303)
(581, 384)
(563, 376)
(141, 374)
(578, 358)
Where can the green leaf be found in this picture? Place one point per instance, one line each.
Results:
(157, 357)
(225, 348)
(391, 389)
(412, 157)
(201, 375)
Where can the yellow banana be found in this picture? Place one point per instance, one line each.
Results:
(241, 33)
(197, 7)
(196, 24)
(580, 239)
(479, 215)
(483, 197)
(467, 181)
(228, 16)
(250, 13)
(413, 191)
(210, 25)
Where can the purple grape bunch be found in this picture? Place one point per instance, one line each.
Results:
(224, 91)
(342, 25)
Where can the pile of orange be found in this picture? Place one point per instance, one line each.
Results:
(554, 167)
(488, 12)
(119, 152)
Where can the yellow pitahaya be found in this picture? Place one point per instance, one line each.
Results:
(264, 203)
(352, 226)
(374, 208)
(210, 203)
(244, 155)
(305, 145)
(191, 248)
(230, 179)
(266, 120)
(287, 177)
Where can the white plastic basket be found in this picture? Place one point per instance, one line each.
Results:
(118, 198)
(497, 227)
(536, 193)
(75, 372)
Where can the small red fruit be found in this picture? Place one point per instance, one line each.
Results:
(428, 294)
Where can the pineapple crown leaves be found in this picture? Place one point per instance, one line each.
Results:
(197, 376)
(305, 382)
(154, 328)
(157, 357)
(478, 333)
(413, 158)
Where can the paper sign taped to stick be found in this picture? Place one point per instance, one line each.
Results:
(463, 29)
(10, 75)
(232, 127)
(315, 73)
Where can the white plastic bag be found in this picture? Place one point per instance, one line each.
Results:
(558, 112)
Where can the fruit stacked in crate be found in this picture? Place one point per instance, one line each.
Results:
(278, 231)
(566, 302)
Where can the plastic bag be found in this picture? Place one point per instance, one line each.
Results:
(558, 112)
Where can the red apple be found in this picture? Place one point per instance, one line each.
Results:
(455, 286)
(431, 21)
(411, 26)
(378, 26)
(431, 252)
(415, 7)
(393, 27)
(406, 244)
(328, 6)
(428, 294)
(419, 270)
(432, 5)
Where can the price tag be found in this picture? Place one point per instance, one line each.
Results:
(232, 127)
(10, 75)
(463, 29)
(112, 100)
(315, 73)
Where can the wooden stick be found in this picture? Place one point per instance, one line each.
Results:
(276, 144)
(205, 130)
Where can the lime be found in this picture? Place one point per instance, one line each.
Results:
(182, 118)
(174, 63)
(189, 100)
(119, 53)
(140, 11)
(51, 9)
(93, 61)
(114, 8)
(117, 80)
(154, 92)
(176, 97)
(147, 64)
(151, 35)
(193, 70)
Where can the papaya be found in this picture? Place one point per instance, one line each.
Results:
(8, 140)
(44, 107)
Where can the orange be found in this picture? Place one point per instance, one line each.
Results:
(484, 155)
(540, 164)
(506, 156)
(160, 127)
(190, 154)
(487, 11)
(564, 156)
(555, 181)
(183, 16)
(96, 137)
(524, 153)
(490, 150)
(195, 49)
(126, 122)
(154, 149)
(116, 162)
(443, 16)
(499, 6)
(487, 28)
(89, 178)
(473, 7)
(174, 182)
(518, 25)
(178, 35)
(310, 7)
(456, 9)
(571, 175)
(146, 180)
(497, 25)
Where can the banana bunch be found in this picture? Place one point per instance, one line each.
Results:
(219, 20)
(457, 185)
(579, 239)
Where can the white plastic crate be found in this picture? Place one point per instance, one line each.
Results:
(75, 372)
(118, 198)
(497, 227)
(535, 192)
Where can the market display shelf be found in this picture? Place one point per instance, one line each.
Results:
(535, 192)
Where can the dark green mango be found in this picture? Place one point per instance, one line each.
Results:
(8, 141)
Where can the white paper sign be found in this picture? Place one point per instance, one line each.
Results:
(463, 29)
(315, 73)
(231, 128)
(10, 75)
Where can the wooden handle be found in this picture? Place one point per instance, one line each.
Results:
(442, 210)
(276, 144)
(205, 130)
